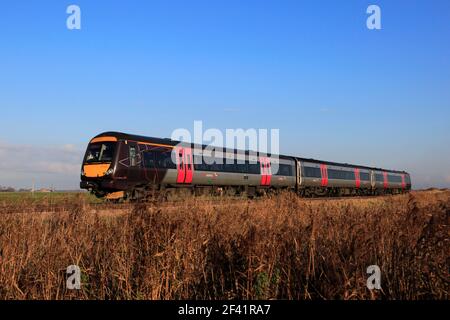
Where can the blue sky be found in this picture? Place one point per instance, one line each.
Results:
(335, 89)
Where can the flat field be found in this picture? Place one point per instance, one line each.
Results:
(279, 247)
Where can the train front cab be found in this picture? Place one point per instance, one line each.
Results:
(98, 165)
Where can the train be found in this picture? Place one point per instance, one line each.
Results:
(125, 167)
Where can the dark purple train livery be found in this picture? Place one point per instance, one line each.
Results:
(130, 167)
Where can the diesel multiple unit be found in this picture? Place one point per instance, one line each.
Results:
(123, 166)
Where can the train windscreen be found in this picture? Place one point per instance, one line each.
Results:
(100, 152)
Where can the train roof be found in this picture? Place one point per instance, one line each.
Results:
(167, 141)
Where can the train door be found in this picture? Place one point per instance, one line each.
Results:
(299, 179)
(385, 180)
(189, 162)
(357, 178)
(324, 174)
(185, 165)
(266, 171)
(372, 179)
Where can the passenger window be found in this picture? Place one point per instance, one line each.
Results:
(149, 161)
(312, 172)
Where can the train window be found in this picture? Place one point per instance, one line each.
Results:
(198, 162)
(279, 172)
(284, 170)
(218, 165)
(289, 170)
(364, 176)
(132, 156)
(149, 160)
(350, 175)
(311, 172)
(212, 164)
(201, 166)
(100, 152)
(229, 167)
(208, 164)
(341, 174)
(254, 168)
(333, 174)
(241, 166)
(164, 160)
(394, 179)
(379, 177)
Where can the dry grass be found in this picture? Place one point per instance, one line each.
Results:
(277, 248)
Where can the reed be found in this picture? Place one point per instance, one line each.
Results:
(280, 247)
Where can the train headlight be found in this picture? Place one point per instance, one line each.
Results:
(109, 172)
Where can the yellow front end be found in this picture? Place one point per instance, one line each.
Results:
(95, 170)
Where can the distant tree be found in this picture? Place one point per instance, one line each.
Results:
(7, 189)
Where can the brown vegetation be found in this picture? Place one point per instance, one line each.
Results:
(282, 247)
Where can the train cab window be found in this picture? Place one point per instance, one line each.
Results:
(100, 152)
(132, 156)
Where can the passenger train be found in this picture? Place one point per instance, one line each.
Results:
(120, 166)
